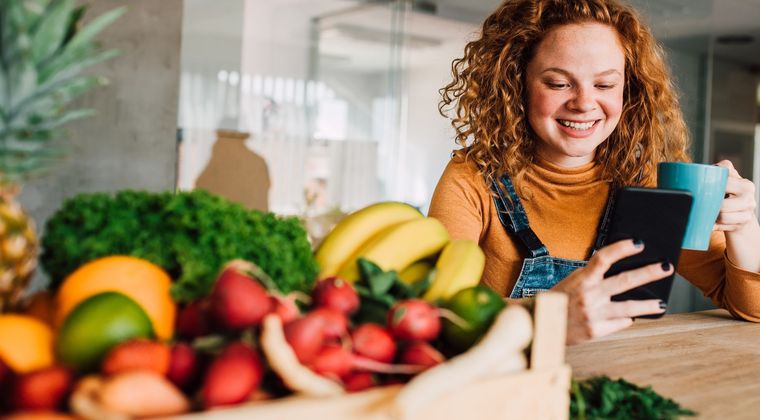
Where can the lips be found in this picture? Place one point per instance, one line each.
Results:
(578, 129)
(578, 125)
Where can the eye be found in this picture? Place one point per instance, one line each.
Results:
(605, 86)
(558, 85)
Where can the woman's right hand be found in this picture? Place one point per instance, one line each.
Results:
(591, 312)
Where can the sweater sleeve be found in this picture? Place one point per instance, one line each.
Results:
(727, 285)
(457, 203)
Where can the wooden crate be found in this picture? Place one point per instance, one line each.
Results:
(540, 392)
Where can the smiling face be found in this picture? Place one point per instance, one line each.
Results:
(575, 85)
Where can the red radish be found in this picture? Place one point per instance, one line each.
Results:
(414, 319)
(235, 373)
(337, 362)
(420, 353)
(192, 321)
(374, 342)
(285, 307)
(44, 389)
(183, 366)
(306, 336)
(137, 354)
(359, 381)
(335, 323)
(333, 361)
(336, 293)
(238, 300)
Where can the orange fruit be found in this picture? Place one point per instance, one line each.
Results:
(26, 344)
(142, 281)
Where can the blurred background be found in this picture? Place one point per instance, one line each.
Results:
(318, 107)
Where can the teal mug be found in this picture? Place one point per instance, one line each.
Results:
(707, 185)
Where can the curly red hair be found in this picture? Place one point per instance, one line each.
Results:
(488, 92)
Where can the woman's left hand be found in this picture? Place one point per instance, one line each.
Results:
(737, 213)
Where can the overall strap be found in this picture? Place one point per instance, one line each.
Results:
(512, 215)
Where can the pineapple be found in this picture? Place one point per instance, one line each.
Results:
(18, 249)
(43, 49)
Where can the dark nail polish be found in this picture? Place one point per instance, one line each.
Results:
(666, 266)
(663, 305)
(638, 243)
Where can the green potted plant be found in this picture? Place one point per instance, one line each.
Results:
(44, 47)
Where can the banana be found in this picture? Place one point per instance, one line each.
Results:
(399, 246)
(416, 271)
(356, 229)
(459, 266)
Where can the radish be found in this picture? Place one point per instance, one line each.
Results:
(335, 323)
(416, 319)
(374, 342)
(421, 353)
(336, 293)
(238, 300)
(285, 307)
(359, 381)
(306, 336)
(192, 321)
(337, 362)
(233, 375)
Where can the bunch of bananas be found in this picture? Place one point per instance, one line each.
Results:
(396, 236)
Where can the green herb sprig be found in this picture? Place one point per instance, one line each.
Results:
(603, 398)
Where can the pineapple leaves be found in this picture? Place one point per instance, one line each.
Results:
(49, 31)
(43, 49)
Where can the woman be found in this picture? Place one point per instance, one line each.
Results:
(557, 104)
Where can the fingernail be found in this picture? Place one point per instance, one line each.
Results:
(663, 305)
(666, 266)
(638, 243)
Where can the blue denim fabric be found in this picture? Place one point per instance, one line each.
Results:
(540, 271)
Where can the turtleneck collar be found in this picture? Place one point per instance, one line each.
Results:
(551, 173)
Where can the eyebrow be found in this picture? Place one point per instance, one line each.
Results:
(567, 73)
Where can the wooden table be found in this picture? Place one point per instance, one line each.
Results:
(706, 361)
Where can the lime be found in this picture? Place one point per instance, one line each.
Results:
(96, 325)
(477, 306)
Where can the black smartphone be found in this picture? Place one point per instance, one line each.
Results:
(658, 217)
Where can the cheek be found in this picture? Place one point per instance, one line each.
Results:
(613, 106)
(543, 104)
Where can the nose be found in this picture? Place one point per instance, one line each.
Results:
(582, 101)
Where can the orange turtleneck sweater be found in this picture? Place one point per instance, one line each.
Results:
(563, 207)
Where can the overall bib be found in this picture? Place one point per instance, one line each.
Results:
(540, 271)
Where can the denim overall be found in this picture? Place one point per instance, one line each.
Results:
(540, 271)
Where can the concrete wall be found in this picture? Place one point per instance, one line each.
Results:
(131, 142)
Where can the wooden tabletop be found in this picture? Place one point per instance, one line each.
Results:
(706, 361)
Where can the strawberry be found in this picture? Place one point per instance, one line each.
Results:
(44, 389)
(192, 321)
(137, 355)
(336, 293)
(183, 366)
(238, 300)
(235, 373)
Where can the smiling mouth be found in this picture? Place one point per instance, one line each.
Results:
(580, 126)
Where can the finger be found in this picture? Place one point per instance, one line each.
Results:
(735, 204)
(610, 254)
(630, 279)
(740, 186)
(609, 326)
(730, 166)
(736, 218)
(726, 228)
(632, 308)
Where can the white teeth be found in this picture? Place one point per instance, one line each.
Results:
(577, 126)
